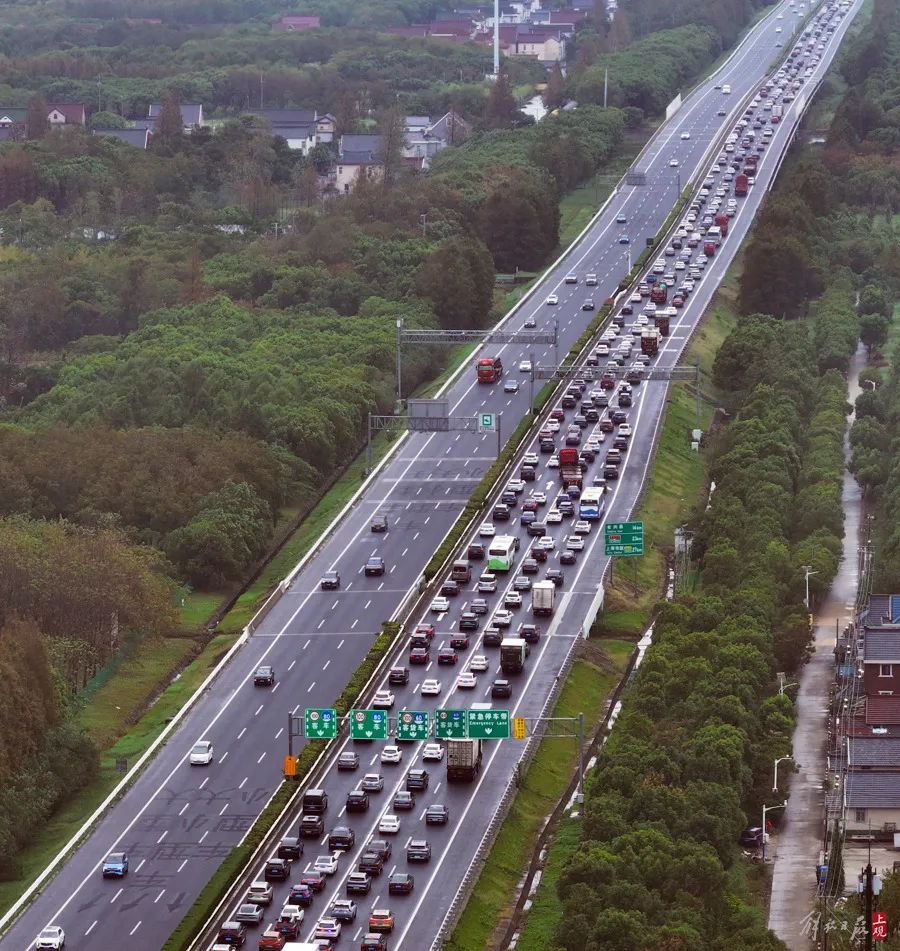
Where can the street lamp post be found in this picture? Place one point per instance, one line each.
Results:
(765, 810)
(808, 573)
(399, 387)
(780, 759)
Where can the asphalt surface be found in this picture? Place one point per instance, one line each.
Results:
(177, 822)
(796, 844)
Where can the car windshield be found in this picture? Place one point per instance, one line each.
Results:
(199, 748)
(116, 858)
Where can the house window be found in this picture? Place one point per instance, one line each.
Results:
(860, 815)
(885, 670)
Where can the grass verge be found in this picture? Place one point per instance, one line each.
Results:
(587, 687)
(104, 717)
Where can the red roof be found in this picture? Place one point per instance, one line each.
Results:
(296, 22)
(73, 111)
(882, 711)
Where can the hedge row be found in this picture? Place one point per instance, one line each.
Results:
(224, 877)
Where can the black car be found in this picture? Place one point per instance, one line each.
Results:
(277, 870)
(374, 566)
(476, 552)
(527, 474)
(401, 883)
(331, 581)
(233, 933)
(379, 523)
(311, 827)
(538, 554)
(567, 557)
(398, 676)
(501, 513)
(358, 883)
(417, 779)
(530, 633)
(290, 848)
(357, 801)
(264, 677)
(529, 567)
(556, 576)
(493, 636)
(371, 862)
(341, 838)
(450, 588)
(348, 761)
(752, 836)
(300, 895)
(624, 399)
(478, 606)
(437, 815)
(618, 416)
(468, 621)
(501, 689)
(382, 846)
(418, 850)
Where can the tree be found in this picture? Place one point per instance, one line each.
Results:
(555, 91)
(389, 155)
(37, 121)
(874, 300)
(170, 125)
(108, 120)
(501, 111)
(459, 280)
(873, 331)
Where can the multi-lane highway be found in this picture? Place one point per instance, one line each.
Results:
(177, 821)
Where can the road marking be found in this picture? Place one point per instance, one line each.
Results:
(309, 689)
(222, 810)
(184, 809)
(243, 782)
(258, 710)
(180, 867)
(119, 892)
(139, 866)
(94, 925)
(159, 840)
(319, 628)
(261, 758)
(135, 928)
(202, 837)
(341, 644)
(327, 662)
(306, 645)
(291, 665)
(352, 626)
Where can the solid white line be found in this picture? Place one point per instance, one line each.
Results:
(94, 925)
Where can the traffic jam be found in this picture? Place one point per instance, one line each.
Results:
(347, 872)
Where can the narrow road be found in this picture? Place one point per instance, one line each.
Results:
(796, 846)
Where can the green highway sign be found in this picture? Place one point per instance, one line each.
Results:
(450, 724)
(488, 724)
(487, 422)
(624, 538)
(368, 725)
(320, 724)
(413, 725)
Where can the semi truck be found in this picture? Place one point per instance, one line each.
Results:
(659, 294)
(740, 185)
(569, 467)
(722, 223)
(543, 597)
(489, 369)
(650, 341)
(661, 318)
(463, 760)
(513, 651)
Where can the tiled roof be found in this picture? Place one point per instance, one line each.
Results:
(882, 646)
(294, 131)
(73, 111)
(136, 137)
(882, 711)
(356, 158)
(363, 146)
(883, 609)
(873, 790)
(191, 112)
(867, 752)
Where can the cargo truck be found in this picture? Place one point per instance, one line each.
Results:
(740, 185)
(513, 651)
(659, 294)
(722, 223)
(569, 467)
(463, 760)
(489, 369)
(543, 596)
(650, 341)
(661, 318)
(709, 248)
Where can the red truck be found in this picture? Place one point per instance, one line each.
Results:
(740, 185)
(662, 323)
(489, 369)
(709, 248)
(659, 294)
(650, 341)
(569, 467)
(722, 222)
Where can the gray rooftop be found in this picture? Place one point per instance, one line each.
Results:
(873, 790)
(882, 646)
(136, 137)
(874, 752)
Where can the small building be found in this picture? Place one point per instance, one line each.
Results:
(881, 661)
(356, 157)
(873, 803)
(67, 113)
(295, 23)
(139, 138)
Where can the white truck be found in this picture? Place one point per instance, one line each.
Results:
(543, 598)
(513, 651)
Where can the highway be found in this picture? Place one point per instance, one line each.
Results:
(177, 822)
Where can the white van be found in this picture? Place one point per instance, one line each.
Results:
(726, 90)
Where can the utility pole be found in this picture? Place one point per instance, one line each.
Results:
(808, 572)
(606, 89)
(399, 387)
(869, 885)
(496, 39)
(765, 810)
(260, 90)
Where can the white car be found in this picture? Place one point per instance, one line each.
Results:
(624, 429)
(582, 527)
(552, 299)
(502, 618)
(552, 425)
(539, 497)
(383, 700)
(487, 530)
(635, 298)
(391, 754)
(466, 681)
(516, 485)
(431, 688)
(546, 542)
(685, 135)
(389, 825)
(440, 604)
(679, 265)
(292, 913)
(201, 753)
(326, 864)
(512, 599)
(575, 543)
(478, 664)
(433, 753)
(525, 366)
(553, 462)
(673, 163)
(51, 937)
